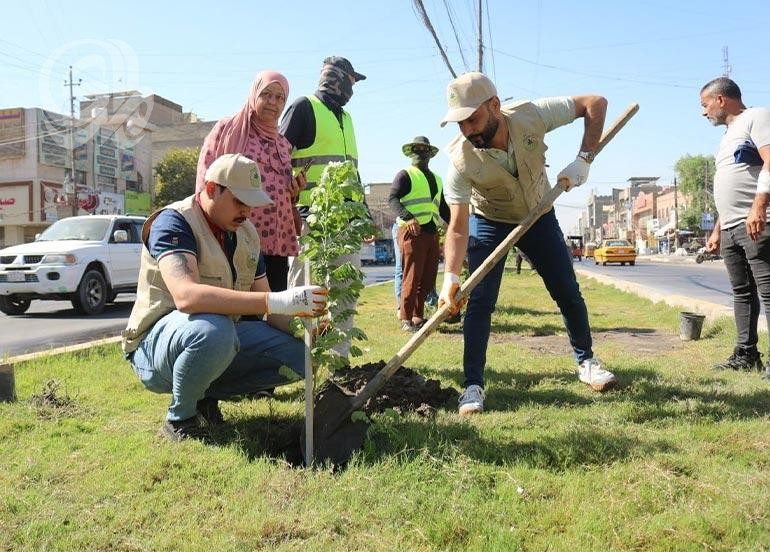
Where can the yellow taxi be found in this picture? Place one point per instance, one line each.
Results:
(615, 251)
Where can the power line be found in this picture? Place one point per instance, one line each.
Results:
(491, 46)
(426, 21)
(480, 37)
(454, 31)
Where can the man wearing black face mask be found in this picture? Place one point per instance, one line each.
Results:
(414, 198)
(319, 128)
(321, 131)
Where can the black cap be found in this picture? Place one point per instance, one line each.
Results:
(345, 65)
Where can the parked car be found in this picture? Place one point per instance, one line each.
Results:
(589, 250)
(615, 251)
(87, 260)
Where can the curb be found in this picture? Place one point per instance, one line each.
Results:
(89, 344)
(62, 350)
(712, 311)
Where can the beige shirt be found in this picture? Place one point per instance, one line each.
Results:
(555, 112)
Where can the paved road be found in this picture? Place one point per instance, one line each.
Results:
(52, 324)
(668, 275)
(703, 287)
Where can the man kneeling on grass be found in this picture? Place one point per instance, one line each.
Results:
(200, 271)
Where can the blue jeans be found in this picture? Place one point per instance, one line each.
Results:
(748, 267)
(193, 356)
(544, 245)
(398, 272)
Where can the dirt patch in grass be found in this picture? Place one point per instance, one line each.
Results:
(405, 391)
(639, 340)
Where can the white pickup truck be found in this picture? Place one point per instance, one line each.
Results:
(87, 260)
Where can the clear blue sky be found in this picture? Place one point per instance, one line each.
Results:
(204, 56)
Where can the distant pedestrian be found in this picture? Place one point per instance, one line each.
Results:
(521, 257)
(398, 273)
(742, 196)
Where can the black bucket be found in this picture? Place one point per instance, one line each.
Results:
(7, 383)
(690, 325)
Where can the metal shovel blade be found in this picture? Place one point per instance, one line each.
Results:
(337, 437)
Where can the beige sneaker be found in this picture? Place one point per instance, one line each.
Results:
(472, 401)
(591, 373)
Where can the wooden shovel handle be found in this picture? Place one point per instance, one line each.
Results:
(500, 251)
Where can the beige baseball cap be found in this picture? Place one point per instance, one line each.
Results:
(465, 94)
(241, 176)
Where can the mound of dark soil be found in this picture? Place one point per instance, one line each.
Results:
(405, 391)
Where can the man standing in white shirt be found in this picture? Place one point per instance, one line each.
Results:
(741, 194)
(495, 178)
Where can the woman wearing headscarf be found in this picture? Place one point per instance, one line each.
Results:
(253, 132)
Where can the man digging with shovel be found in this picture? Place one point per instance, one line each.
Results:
(496, 177)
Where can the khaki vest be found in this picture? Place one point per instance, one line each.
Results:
(153, 300)
(497, 194)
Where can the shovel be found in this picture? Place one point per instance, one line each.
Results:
(337, 434)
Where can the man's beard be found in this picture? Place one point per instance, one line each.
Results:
(484, 138)
(720, 118)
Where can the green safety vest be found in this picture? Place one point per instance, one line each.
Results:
(333, 142)
(418, 201)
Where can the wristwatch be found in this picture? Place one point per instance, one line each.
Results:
(587, 156)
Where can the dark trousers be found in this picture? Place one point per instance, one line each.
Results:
(419, 265)
(748, 267)
(543, 244)
(277, 271)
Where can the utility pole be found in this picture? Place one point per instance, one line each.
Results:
(72, 178)
(676, 218)
(480, 43)
(726, 67)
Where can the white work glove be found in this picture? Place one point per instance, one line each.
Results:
(574, 174)
(449, 292)
(299, 301)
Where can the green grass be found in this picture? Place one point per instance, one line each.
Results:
(678, 458)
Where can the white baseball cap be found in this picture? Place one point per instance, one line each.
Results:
(465, 94)
(241, 176)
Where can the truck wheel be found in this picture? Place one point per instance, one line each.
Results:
(12, 306)
(699, 258)
(91, 294)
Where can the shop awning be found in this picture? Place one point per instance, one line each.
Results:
(663, 230)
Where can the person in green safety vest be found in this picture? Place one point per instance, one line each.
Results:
(414, 199)
(321, 131)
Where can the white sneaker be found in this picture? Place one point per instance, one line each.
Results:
(591, 373)
(472, 401)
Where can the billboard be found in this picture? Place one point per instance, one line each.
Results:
(106, 161)
(12, 134)
(53, 139)
(138, 203)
